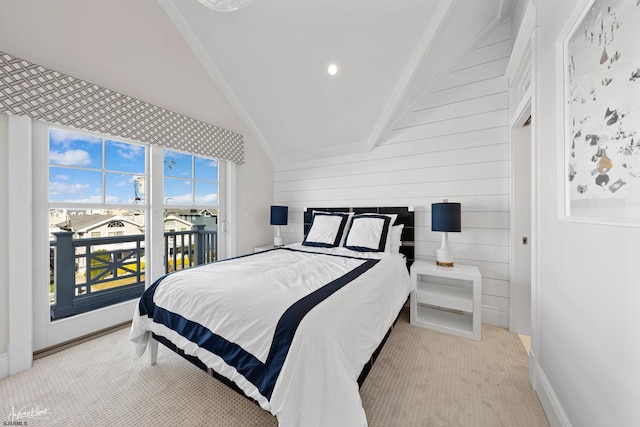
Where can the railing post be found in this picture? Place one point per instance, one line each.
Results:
(199, 249)
(65, 274)
(214, 246)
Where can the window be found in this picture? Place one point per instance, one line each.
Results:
(83, 181)
(190, 180)
(96, 190)
(90, 169)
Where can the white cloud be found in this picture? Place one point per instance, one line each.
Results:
(186, 199)
(66, 139)
(127, 151)
(70, 157)
(75, 193)
(209, 163)
(180, 200)
(92, 199)
(207, 199)
(112, 199)
(175, 154)
(56, 188)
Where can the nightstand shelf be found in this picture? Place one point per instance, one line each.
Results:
(447, 299)
(444, 321)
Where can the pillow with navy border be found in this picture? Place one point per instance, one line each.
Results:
(346, 225)
(326, 229)
(368, 233)
(387, 246)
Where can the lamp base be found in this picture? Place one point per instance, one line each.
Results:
(444, 264)
(278, 241)
(444, 255)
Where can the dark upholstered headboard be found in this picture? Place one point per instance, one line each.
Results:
(405, 216)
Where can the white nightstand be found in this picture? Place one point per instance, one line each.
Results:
(263, 248)
(447, 299)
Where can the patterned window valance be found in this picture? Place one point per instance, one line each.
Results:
(28, 89)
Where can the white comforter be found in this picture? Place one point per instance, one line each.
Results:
(240, 301)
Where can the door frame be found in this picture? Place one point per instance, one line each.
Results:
(519, 118)
(19, 233)
(522, 72)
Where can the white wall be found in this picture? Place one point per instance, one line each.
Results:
(517, 15)
(254, 196)
(4, 243)
(454, 144)
(589, 278)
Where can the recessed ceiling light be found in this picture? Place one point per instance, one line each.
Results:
(332, 69)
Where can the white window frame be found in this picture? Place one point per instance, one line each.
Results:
(48, 333)
(29, 205)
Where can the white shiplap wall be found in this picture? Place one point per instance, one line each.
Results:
(453, 144)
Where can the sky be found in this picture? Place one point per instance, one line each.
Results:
(79, 162)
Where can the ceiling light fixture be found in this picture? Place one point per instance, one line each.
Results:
(332, 69)
(226, 5)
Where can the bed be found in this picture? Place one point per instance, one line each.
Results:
(295, 328)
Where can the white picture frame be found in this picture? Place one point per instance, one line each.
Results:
(600, 72)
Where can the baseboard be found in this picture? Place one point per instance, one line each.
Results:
(88, 337)
(533, 367)
(4, 365)
(550, 402)
(495, 317)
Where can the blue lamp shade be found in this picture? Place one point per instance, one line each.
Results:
(445, 217)
(279, 215)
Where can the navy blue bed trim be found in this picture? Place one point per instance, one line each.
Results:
(194, 360)
(262, 375)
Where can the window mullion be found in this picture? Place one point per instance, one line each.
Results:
(193, 179)
(155, 202)
(104, 175)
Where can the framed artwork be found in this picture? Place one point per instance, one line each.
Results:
(601, 72)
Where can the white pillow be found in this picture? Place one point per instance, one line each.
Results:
(368, 233)
(395, 241)
(346, 226)
(387, 247)
(326, 229)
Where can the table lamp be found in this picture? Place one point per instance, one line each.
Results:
(445, 217)
(279, 216)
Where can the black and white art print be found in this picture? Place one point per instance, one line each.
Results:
(602, 111)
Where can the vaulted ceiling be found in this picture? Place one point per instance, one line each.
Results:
(261, 70)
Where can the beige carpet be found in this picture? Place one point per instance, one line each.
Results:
(422, 378)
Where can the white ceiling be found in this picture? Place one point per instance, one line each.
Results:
(129, 46)
(261, 70)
